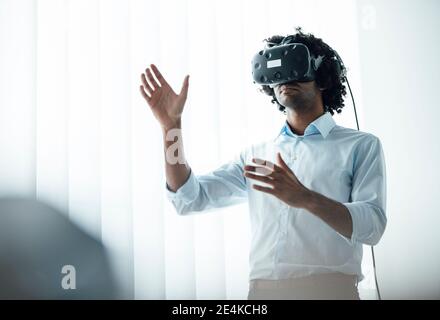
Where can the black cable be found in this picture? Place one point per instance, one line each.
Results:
(354, 104)
(372, 249)
(375, 275)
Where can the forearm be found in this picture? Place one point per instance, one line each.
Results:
(332, 212)
(177, 169)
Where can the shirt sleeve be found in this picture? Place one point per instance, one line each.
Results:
(220, 188)
(368, 196)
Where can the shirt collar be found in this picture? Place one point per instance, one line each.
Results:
(323, 125)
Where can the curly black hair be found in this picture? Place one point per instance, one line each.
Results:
(328, 76)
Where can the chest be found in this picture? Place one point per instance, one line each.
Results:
(323, 166)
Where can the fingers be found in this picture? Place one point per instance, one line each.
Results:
(264, 163)
(284, 166)
(265, 179)
(152, 81)
(158, 75)
(258, 169)
(144, 93)
(264, 189)
(146, 85)
(264, 167)
(154, 84)
(185, 85)
(281, 162)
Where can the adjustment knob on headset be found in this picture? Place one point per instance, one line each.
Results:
(263, 79)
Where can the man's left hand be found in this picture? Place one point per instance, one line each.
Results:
(282, 182)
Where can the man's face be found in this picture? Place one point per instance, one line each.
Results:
(298, 96)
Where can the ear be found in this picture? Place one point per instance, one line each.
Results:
(317, 86)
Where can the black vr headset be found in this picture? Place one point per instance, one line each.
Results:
(287, 62)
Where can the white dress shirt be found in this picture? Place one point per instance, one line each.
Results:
(340, 163)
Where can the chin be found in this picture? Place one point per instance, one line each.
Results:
(294, 107)
(289, 103)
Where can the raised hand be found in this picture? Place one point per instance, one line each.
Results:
(166, 105)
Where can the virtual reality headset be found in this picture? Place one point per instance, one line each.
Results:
(284, 63)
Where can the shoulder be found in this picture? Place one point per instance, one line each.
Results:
(362, 145)
(355, 137)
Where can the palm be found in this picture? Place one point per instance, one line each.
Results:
(166, 105)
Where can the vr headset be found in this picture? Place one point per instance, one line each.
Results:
(286, 62)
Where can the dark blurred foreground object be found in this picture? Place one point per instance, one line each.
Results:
(36, 243)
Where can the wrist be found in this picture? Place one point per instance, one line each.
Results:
(177, 124)
(310, 200)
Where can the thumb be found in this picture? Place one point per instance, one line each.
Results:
(281, 162)
(185, 86)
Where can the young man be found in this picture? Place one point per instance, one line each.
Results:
(316, 192)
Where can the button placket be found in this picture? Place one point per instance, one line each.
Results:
(293, 154)
(284, 219)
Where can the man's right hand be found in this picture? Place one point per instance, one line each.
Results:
(165, 104)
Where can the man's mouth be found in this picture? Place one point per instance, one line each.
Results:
(289, 88)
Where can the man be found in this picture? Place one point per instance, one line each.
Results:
(316, 192)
